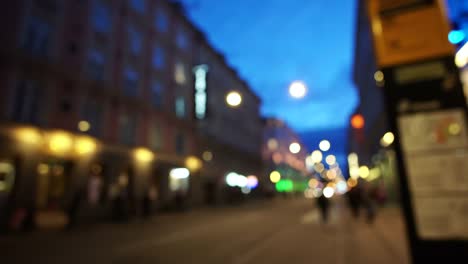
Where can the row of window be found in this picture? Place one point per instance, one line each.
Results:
(101, 18)
(38, 36)
(26, 108)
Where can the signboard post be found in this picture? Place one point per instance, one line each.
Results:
(428, 114)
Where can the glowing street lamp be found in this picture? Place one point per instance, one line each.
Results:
(233, 98)
(294, 148)
(297, 89)
(324, 145)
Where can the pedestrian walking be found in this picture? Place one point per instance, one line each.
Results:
(354, 201)
(323, 204)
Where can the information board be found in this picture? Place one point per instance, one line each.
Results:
(435, 151)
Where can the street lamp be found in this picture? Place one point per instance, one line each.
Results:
(297, 89)
(294, 148)
(324, 145)
(233, 99)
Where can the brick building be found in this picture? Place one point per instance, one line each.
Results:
(97, 102)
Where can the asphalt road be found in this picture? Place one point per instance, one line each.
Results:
(279, 231)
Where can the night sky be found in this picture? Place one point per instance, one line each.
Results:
(273, 42)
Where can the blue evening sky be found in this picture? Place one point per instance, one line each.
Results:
(273, 42)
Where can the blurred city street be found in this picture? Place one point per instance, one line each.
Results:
(277, 231)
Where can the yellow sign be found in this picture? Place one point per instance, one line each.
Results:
(407, 32)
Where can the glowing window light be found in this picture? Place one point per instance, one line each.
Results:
(207, 156)
(324, 145)
(60, 142)
(275, 176)
(272, 144)
(233, 99)
(295, 148)
(179, 173)
(200, 72)
(143, 155)
(328, 192)
(330, 159)
(85, 145)
(364, 172)
(193, 163)
(317, 156)
(83, 126)
(297, 89)
(456, 36)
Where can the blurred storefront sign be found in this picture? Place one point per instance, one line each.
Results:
(406, 31)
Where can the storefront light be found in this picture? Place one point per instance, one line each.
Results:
(60, 142)
(179, 173)
(85, 145)
(28, 135)
(143, 155)
(252, 181)
(193, 163)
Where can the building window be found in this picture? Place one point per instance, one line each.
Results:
(92, 113)
(101, 17)
(131, 82)
(134, 40)
(161, 20)
(26, 102)
(127, 129)
(159, 58)
(37, 37)
(138, 5)
(95, 67)
(180, 107)
(155, 136)
(182, 41)
(157, 93)
(180, 144)
(179, 73)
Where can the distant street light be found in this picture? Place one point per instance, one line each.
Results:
(233, 99)
(324, 145)
(297, 89)
(294, 148)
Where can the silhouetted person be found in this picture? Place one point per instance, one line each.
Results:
(324, 205)
(354, 200)
(146, 205)
(368, 203)
(74, 208)
(179, 200)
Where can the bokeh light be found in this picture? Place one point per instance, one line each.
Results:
(324, 145)
(297, 89)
